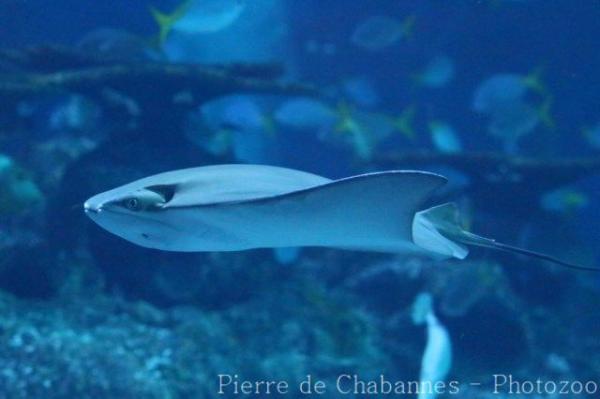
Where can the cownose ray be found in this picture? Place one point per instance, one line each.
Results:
(240, 207)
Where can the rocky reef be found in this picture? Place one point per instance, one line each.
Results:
(98, 346)
(88, 344)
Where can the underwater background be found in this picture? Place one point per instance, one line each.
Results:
(499, 96)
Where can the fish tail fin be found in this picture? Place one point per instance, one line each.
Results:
(345, 120)
(165, 21)
(348, 125)
(434, 124)
(586, 132)
(268, 124)
(404, 122)
(362, 143)
(408, 26)
(438, 230)
(535, 82)
(545, 113)
(154, 45)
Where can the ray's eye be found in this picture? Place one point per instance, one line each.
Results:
(133, 204)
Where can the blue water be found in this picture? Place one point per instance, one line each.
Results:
(86, 314)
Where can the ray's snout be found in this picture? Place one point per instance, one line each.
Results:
(90, 207)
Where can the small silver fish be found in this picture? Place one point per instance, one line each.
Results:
(240, 207)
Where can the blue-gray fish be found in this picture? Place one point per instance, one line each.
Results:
(240, 207)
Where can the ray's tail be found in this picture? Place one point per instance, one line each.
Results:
(538, 255)
(438, 229)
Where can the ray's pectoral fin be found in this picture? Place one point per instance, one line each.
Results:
(439, 230)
